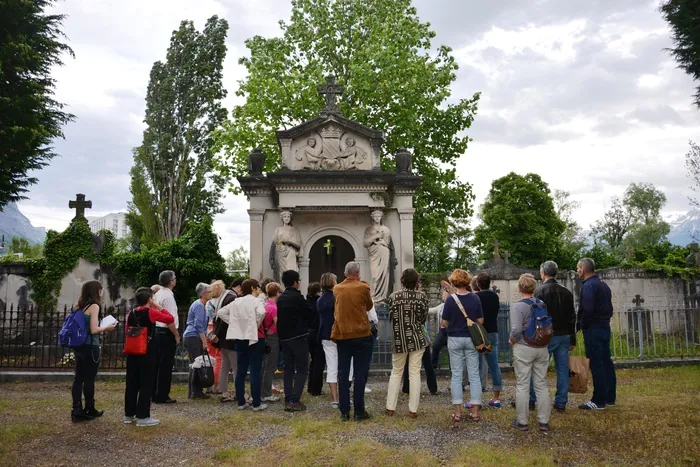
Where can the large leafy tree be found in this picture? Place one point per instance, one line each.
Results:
(519, 213)
(173, 181)
(394, 81)
(30, 118)
(684, 18)
(633, 222)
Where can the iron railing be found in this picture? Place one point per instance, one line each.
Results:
(29, 337)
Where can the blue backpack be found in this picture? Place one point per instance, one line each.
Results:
(74, 331)
(539, 330)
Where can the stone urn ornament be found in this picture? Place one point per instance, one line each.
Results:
(403, 161)
(256, 162)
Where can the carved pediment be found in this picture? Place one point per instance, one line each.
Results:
(330, 142)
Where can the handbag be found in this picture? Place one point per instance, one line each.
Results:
(477, 331)
(220, 327)
(204, 375)
(136, 340)
(578, 375)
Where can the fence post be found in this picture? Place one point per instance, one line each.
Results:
(638, 300)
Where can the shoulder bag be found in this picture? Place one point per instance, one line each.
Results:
(480, 338)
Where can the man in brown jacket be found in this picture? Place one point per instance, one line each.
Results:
(353, 335)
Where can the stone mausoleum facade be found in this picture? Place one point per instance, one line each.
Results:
(331, 203)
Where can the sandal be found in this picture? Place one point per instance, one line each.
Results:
(474, 418)
(456, 418)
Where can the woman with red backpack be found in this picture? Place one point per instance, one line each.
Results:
(141, 363)
(87, 356)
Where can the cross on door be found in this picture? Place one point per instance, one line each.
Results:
(328, 246)
(330, 91)
(79, 205)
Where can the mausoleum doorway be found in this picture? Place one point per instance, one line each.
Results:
(330, 253)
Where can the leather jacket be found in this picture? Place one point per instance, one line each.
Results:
(560, 306)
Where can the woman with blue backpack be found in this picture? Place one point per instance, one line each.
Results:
(87, 356)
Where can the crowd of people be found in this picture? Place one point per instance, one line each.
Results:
(248, 328)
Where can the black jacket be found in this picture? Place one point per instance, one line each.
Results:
(315, 323)
(294, 315)
(595, 303)
(560, 306)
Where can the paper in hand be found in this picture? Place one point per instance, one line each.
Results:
(109, 320)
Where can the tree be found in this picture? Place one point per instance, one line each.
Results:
(635, 221)
(394, 81)
(172, 181)
(684, 17)
(692, 166)
(612, 228)
(572, 242)
(238, 260)
(30, 118)
(519, 213)
(21, 246)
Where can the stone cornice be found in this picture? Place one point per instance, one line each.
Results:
(310, 125)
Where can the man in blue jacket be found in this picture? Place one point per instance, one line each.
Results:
(594, 313)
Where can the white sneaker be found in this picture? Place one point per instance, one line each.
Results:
(150, 421)
(242, 407)
(271, 399)
(260, 408)
(367, 389)
(129, 420)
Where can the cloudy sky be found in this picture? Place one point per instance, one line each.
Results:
(580, 92)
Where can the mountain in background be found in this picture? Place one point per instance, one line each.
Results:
(684, 227)
(14, 224)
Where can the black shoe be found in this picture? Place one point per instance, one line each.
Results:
(79, 415)
(363, 416)
(559, 409)
(200, 396)
(166, 401)
(344, 417)
(93, 412)
(544, 427)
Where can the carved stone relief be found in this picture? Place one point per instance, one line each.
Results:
(331, 149)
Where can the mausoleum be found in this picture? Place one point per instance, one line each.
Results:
(331, 203)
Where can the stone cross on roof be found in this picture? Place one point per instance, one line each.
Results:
(330, 91)
(79, 205)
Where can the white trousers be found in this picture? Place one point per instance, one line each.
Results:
(398, 362)
(331, 350)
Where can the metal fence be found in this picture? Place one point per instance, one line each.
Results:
(29, 338)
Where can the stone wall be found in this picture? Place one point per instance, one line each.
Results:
(15, 286)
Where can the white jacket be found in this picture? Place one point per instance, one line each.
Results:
(244, 316)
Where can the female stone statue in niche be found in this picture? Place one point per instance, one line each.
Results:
(377, 241)
(286, 243)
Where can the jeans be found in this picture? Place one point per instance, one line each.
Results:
(462, 350)
(558, 348)
(249, 356)
(318, 362)
(296, 359)
(270, 364)
(194, 348)
(492, 362)
(412, 362)
(597, 342)
(358, 350)
(531, 363)
(440, 342)
(164, 366)
(429, 374)
(87, 361)
(140, 372)
(371, 354)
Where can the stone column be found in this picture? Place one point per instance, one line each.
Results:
(257, 250)
(405, 256)
(304, 274)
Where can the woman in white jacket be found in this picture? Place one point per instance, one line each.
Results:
(245, 317)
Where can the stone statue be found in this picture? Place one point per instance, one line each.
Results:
(693, 259)
(352, 155)
(378, 241)
(286, 244)
(310, 154)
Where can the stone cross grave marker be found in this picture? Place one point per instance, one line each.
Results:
(330, 91)
(638, 300)
(79, 205)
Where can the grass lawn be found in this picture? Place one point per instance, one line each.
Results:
(656, 422)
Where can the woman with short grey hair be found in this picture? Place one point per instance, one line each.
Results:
(195, 335)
